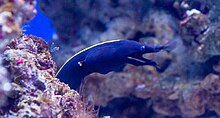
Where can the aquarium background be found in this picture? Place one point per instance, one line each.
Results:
(39, 26)
(37, 37)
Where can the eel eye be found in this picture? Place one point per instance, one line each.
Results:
(143, 48)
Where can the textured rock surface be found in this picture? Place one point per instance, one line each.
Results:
(12, 15)
(35, 91)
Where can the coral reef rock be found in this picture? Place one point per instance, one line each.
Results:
(35, 91)
(13, 13)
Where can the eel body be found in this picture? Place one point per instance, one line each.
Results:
(106, 57)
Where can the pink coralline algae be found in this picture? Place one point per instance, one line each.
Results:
(19, 61)
(35, 91)
(12, 15)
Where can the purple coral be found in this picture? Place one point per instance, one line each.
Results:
(38, 92)
(11, 20)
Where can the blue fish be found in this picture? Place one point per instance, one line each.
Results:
(105, 57)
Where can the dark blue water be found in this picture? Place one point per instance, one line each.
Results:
(39, 26)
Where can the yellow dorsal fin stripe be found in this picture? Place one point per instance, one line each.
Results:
(110, 41)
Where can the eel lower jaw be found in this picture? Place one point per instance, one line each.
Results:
(136, 59)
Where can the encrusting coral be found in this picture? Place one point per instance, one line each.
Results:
(35, 91)
(12, 15)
